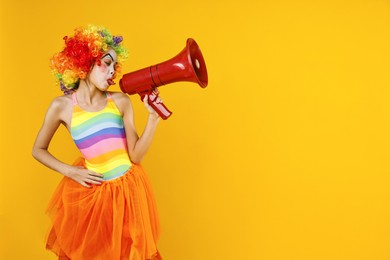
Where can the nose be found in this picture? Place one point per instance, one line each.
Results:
(112, 70)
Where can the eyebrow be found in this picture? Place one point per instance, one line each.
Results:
(107, 54)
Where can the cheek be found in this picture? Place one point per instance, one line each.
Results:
(103, 67)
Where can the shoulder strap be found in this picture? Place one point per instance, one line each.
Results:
(74, 98)
(111, 103)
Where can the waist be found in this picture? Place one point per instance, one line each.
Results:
(111, 169)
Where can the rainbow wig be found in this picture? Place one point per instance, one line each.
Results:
(81, 51)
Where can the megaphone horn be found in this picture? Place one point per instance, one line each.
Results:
(188, 65)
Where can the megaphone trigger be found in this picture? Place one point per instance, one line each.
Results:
(156, 103)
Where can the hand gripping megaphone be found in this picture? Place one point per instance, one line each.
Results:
(188, 65)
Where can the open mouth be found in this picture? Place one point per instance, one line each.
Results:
(110, 82)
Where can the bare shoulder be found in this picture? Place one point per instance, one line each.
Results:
(122, 100)
(120, 96)
(61, 103)
(60, 110)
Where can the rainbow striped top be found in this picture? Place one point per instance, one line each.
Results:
(101, 138)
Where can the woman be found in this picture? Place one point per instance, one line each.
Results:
(104, 207)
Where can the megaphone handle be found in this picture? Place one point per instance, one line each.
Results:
(160, 108)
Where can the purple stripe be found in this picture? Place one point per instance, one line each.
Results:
(91, 141)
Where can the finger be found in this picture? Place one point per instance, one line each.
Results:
(92, 173)
(94, 182)
(85, 184)
(95, 179)
(146, 100)
(95, 174)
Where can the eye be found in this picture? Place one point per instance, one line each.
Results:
(107, 61)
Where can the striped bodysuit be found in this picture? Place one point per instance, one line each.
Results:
(101, 138)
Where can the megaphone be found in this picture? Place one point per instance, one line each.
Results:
(188, 65)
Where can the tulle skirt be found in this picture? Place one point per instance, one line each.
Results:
(116, 220)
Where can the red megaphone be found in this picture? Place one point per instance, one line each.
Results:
(188, 65)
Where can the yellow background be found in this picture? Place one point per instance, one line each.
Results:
(284, 156)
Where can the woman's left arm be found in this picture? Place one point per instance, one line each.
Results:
(137, 145)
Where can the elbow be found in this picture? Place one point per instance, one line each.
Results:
(36, 152)
(135, 158)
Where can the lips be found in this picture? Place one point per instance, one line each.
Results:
(110, 82)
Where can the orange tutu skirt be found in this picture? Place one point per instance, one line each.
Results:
(116, 220)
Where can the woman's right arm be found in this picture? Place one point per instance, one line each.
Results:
(54, 117)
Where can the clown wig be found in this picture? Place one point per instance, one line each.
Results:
(81, 51)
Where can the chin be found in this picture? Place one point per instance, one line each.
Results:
(103, 88)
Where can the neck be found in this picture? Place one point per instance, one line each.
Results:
(88, 93)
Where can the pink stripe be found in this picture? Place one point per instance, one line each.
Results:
(104, 146)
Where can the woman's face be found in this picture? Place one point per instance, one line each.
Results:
(102, 75)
